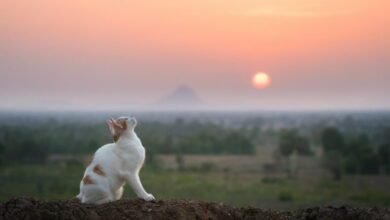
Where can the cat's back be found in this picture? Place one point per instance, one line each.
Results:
(105, 153)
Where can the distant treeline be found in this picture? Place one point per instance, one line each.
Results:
(353, 146)
(195, 138)
(356, 154)
(341, 153)
(34, 142)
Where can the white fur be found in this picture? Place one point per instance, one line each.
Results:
(121, 163)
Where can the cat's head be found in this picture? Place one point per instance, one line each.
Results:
(121, 125)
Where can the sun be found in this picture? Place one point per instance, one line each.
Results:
(261, 80)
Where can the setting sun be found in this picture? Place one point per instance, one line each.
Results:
(261, 80)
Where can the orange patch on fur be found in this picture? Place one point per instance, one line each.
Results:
(87, 180)
(116, 137)
(98, 170)
(124, 124)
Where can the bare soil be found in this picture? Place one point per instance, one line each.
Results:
(29, 208)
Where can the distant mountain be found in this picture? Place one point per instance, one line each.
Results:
(182, 96)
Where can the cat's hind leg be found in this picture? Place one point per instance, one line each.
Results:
(95, 194)
(79, 197)
(119, 193)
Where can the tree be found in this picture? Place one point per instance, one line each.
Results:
(384, 157)
(236, 143)
(291, 143)
(361, 157)
(333, 146)
(332, 140)
(2, 149)
(358, 156)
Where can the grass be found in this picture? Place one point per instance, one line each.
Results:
(56, 181)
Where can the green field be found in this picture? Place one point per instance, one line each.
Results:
(54, 181)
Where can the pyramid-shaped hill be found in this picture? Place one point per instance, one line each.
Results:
(182, 96)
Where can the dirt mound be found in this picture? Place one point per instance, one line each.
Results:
(27, 208)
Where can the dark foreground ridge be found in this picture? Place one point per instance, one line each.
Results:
(28, 208)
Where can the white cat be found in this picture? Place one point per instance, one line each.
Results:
(114, 165)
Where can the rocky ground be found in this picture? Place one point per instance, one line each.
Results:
(28, 208)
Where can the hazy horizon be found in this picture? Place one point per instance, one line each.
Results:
(115, 55)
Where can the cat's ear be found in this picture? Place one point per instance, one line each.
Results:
(118, 125)
(110, 124)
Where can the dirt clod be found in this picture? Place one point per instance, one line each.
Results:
(29, 208)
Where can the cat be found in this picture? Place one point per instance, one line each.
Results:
(115, 164)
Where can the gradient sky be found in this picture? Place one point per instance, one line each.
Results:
(113, 54)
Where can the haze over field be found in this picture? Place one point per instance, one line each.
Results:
(104, 55)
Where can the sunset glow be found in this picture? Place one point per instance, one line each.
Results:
(70, 54)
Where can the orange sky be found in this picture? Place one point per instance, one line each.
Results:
(94, 54)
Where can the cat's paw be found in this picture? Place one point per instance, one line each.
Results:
(149, 197)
